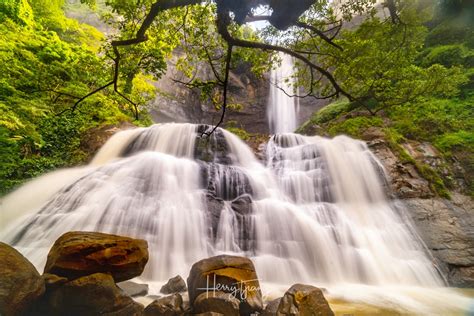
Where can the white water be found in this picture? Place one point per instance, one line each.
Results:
(318, 215)
(282, 110)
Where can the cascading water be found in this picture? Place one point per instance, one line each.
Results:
(282, 111)
(315, 213)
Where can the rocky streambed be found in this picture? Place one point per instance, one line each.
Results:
(85, 274)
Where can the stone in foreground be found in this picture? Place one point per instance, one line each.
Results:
(172, 305)
(133, 289)
(77, 254)
(20, 283)
(174, 285)
(217, 302)
(228, 274)
(304, 300)
(95, 294)
(272, 308)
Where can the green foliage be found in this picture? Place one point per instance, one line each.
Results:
(331, 111)
(432, 118)
(460, 140)
(448, 33)
(383, 71)
(231, 126)
(19, 11)
(45, 66)
(355, 126)
(447, 55)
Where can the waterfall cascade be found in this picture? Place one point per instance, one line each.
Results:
(315, 212)
(282, 111)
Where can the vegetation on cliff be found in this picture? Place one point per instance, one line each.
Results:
(47, 62)
(59, 78)
(446, 121)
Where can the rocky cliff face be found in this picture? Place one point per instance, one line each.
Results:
(178, 103)
(446, 226)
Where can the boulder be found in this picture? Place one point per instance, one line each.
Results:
(272, 307)
(77, 254)
(20, 284)
(133, 289)
(95, 294)
(217, 302)
(228, 274)
(304, 300)
(52, 281)
(174, 285)
(166, 306)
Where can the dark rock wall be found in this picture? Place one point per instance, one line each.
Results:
(446, 226)
(177, 103)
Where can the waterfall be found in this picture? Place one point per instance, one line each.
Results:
(282, 108)
(314, 212)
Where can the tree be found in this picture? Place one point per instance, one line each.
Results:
(371, 65)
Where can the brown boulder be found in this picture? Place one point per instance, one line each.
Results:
(174, 285)
(304, 300)
(95, 294)
(172, 305)
(133, 289)
(272, 307)
(217, 302)
(228, 274)
(20, 284)
(77, 254)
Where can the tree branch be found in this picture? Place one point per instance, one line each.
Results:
(300, 24)
(226, 84)
(223, 20)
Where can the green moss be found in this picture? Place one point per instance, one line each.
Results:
(240, 132)
(354, 126)
(447, 55)
(430, 119)
(437, 184)
(326, 114)
(463, 140)
(449, 33)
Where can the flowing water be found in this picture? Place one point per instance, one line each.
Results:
(314, 212)
(282, 111)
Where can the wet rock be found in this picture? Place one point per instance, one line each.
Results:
(77, 254)
(446, 229)
(20, 284)
(304, 300)
(217, 302)
(166, 306)
(95, 294)
(174, 285)
(229, 274)
(445, 226)
(242, 207)
(405, 181)
(460, 276)
(93, 139)
(227, 182)
(133, 289)
(272, 308)
(214, 210)
(212, 148)
(209, 314)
